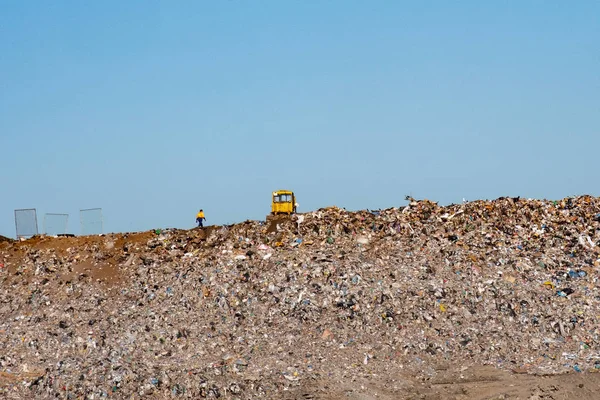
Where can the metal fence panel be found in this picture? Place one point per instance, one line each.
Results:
(56, 224)
(26, 222)
(91, 221)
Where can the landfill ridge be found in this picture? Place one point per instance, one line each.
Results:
(415, 302)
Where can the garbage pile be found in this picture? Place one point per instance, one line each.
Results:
(4, 239)
(266, 308)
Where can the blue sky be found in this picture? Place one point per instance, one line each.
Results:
(153, 109)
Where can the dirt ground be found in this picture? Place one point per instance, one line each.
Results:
(475, 383)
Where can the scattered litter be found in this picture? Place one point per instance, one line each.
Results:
(254, 309)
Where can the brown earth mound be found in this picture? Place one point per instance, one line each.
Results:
(489, 299)
(5, 239)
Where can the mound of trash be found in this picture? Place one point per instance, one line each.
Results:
(293, 305)
(4, 239)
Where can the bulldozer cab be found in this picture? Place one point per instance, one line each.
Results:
(283, 202)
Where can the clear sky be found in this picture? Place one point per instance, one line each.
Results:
(154, 109)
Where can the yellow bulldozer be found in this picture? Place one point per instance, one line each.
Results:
(283, 203)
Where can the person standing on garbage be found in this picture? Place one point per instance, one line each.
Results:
(200, 218)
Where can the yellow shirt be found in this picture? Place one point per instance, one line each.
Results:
(200, 215)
